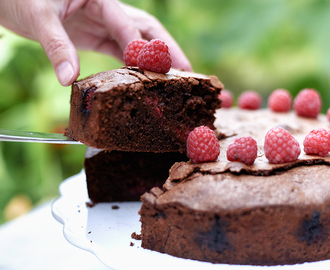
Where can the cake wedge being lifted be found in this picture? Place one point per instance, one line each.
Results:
(142, 111)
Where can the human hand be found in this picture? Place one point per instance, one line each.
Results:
(63, 26)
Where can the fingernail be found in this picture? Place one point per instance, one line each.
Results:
(64, 72)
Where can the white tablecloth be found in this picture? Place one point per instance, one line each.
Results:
(35, 241)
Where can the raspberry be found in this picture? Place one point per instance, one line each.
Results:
(280, 146)
(280, 100)
(328, 114)
(154, 104)
(307, 103)
(227, 98)
(317, 142)
(155, 56)
(250, 100)
(202, 145)
(243, 149)
(132, 51)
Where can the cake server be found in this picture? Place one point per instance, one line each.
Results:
(38, 137)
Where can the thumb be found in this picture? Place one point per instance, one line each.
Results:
(58, 47)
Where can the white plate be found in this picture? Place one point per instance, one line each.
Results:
(106, 232)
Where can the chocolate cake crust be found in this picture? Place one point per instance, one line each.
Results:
(132, 110)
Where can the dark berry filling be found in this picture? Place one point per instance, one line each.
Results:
(160, 215)
(182, 133)
(153, 103)
(87, 99)
(311, 230)
(215, 239)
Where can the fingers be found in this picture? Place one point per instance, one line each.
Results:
(89, 34)
(125, 23)
(151, 28)
(179, 60)
(49, 31)
(120, 26)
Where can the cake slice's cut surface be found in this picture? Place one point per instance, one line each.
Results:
(134, 110)
(119, 176)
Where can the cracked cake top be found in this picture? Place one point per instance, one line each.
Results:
(224, 185)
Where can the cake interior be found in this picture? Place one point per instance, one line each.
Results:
(167, 113)
(124, 176)
(148, 113)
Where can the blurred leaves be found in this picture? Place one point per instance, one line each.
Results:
(253, 44)
(32, 99)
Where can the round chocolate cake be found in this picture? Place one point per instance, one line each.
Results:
(229, 212)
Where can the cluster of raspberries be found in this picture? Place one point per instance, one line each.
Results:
(280, 146)
(150, 55)
(306, 104)
(202, 145)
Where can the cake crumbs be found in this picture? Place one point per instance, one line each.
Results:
(131, 244)
(136, 236)
(115, 207)
(90, 204)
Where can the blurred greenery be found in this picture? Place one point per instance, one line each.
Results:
(250, 45)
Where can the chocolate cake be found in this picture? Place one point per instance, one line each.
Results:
(229, 212)
(141, 111)
(116, 176)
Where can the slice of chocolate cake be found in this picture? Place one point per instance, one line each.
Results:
(133, 110)
(229, 212)
(118, 176)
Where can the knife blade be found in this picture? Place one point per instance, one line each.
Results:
(37, 137)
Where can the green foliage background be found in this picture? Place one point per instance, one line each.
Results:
(253, 44)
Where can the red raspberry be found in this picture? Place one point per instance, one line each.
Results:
(317, 142)
(307, 103)
(243, 149)
(227, 98)
(280, 146)
(132, 51)
(202, 145)
(280, 100)
(155, 56)
(250, 100)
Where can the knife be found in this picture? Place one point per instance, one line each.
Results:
(38, 137)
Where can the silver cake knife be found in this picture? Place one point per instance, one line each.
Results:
(38, 137)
